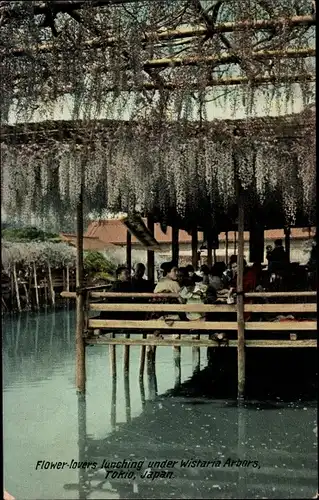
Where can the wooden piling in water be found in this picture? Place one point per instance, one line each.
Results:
(112, 354)
(127, 397)
(52, 293)
(142, 358)
(196, 358)
(177, 364)
(16, 284)
(113, 401)
(240, 297)
(80, 299)
(126, 357)
(36, 286)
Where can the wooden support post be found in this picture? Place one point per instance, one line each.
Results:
(226, 247)
(256, 242)
(287, 243)
(240, 297)
(194, 247)
(80, 299)
(126, 357)
(52, 293)
(214, 253)
(16, 284)
(150, 253)
(67, 278)
(235, 242)
(175, 245)
(209, 250)
(129, 251)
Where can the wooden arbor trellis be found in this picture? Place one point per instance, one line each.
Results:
(170, 56)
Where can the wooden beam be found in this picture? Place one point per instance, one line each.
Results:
(175, 245)
(80, 295)
(150, 253)
(240, 296)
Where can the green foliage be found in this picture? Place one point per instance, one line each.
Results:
(95, 262)
(28, 234)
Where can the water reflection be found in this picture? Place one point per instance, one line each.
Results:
(179, 416)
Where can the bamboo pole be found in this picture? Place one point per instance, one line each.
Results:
(16, 284)
(52, 293)
(80, 345)
(150, 253)
(194, 247)
(175, 245)
(240, 297)
(176, 34)
(228, 58)
(226, 247)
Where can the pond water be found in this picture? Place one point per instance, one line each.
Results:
(123, 421)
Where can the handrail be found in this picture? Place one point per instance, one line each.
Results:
(204, 308)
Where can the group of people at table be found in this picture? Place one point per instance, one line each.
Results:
(206, 286)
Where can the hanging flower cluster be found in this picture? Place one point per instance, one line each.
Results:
(139, 171)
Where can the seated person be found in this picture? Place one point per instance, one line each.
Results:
(139, 283)
(192, 275)
(168, 283)
(123, 282)
(183, 278)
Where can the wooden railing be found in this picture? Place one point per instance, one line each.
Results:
(169, 325)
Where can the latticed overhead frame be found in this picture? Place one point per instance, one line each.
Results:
(154, 62)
